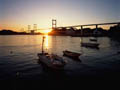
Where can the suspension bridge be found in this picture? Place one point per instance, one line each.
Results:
(54, 26)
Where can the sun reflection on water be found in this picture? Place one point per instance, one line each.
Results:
(46, 43)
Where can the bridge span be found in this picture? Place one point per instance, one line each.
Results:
(113, 23)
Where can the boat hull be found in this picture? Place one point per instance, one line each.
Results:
(92, 45)
(95, 40)
(50, 63)
(72, 55)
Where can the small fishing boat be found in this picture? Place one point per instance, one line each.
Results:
(92, 45)
(72, 55)
(52, 61)
(93, 39)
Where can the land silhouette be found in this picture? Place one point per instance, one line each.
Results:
(11, 32)
(114, 31)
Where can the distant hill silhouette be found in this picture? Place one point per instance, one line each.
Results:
(11, 32)
(7, 32)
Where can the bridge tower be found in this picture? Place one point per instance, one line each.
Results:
(32, 30)
(54, 24)
(29, 28)
(35, 27)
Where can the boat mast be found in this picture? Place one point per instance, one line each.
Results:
(81, 38)
(43, 44)
(96, 32)
(81, 34)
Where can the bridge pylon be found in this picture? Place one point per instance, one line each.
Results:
(54, 23)
(32, 30)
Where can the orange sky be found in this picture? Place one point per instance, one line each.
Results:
(20, 28)
(18, 14)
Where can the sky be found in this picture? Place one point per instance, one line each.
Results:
(18, 14)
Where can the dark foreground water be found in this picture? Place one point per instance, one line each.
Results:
(20, 68)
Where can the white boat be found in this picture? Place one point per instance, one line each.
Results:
(90, 44)
(52, 61)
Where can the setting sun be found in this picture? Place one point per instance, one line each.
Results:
(46, 31)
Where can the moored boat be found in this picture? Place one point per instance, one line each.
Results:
(72, 55)
(93, 39)
(92, 45)
(52, 61)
